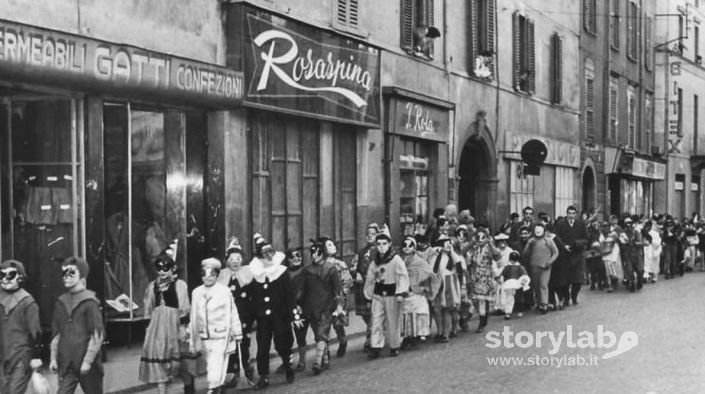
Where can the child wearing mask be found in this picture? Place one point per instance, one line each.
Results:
(77, 332)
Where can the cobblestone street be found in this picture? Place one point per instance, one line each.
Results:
(669, 356)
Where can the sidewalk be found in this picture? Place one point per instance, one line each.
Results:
(122, 363)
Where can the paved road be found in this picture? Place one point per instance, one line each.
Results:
(668, 318)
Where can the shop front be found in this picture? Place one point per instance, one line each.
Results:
(312, 95)
(631, 182)
(553, 190)
(104, 155)
(417, 132)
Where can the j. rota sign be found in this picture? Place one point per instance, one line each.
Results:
(36, 53)
(303, 69)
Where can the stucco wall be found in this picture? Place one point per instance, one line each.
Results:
(188, 28)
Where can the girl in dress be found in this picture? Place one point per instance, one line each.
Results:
(165, 351)
(481, 259)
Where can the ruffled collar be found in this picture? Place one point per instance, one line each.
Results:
(261, 273)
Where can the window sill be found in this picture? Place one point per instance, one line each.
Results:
(631, 58)
(590, 32)
(419, 55)
(615, 48)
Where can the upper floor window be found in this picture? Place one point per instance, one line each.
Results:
(557, 68)
(590, 15)
(417, 27)
(615, 19)
(631, 117)
(648, 61)
(481, 30)
(613, 105)
(632, 30)
(523, 53)
(696, 45)
(347, 15)
(589, 98)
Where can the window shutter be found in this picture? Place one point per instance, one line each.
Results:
(341, 14)
(586, 14)
(430, 21)
(407, 24)
(516, 49)
(557, 68)
(613, 113)
(630, 27)
(473, 32)
(489, 45)
(532, 58)
(353, 14)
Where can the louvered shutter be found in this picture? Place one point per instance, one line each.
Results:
(341, 15)
(613, 112)
(430, 21)
(557, 68)
(586, 14)
(489, 45)
(473, 31)
(532, 57)
(408, 18)
(353, 14)
(516, 49)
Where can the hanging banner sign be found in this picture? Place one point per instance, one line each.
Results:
(37, 54)
(303, 69)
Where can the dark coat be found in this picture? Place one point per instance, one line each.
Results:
(560, 275)
(576, 237)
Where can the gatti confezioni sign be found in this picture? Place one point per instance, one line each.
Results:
(306, 70)
(37, 54)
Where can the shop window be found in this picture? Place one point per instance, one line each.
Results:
(414, 172)
(41, 187)
(565, 181)
(481, 29)
(523, 55)
(521, 187)
(153, 196)
(418, 28)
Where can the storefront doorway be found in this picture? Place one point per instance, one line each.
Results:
(41, 134)
(475, 178)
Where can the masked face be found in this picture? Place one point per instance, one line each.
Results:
(164, 269)
(331, 249)
(209, 276)
(234, 261)
(482, 238)
(462, 236)
(295, 259)
(316, 253)
(383, 246)
(9, 279)
(371, 235)
(539, 231)
(447, 246)
(408, 247)
(268, 255)
(502, 244)
(70, 275)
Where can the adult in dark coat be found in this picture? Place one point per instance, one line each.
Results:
(523, 300)
(573, 234)
(527, 221)
(559, 282)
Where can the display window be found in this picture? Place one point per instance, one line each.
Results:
(147, 189)
(41, 136)
(414, 175)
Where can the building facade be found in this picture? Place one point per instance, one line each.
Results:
(680, 90)
(621, 145)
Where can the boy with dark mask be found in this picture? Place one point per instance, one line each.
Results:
(20, 331)
(77, 329)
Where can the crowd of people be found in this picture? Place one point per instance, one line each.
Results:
(440, 277)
